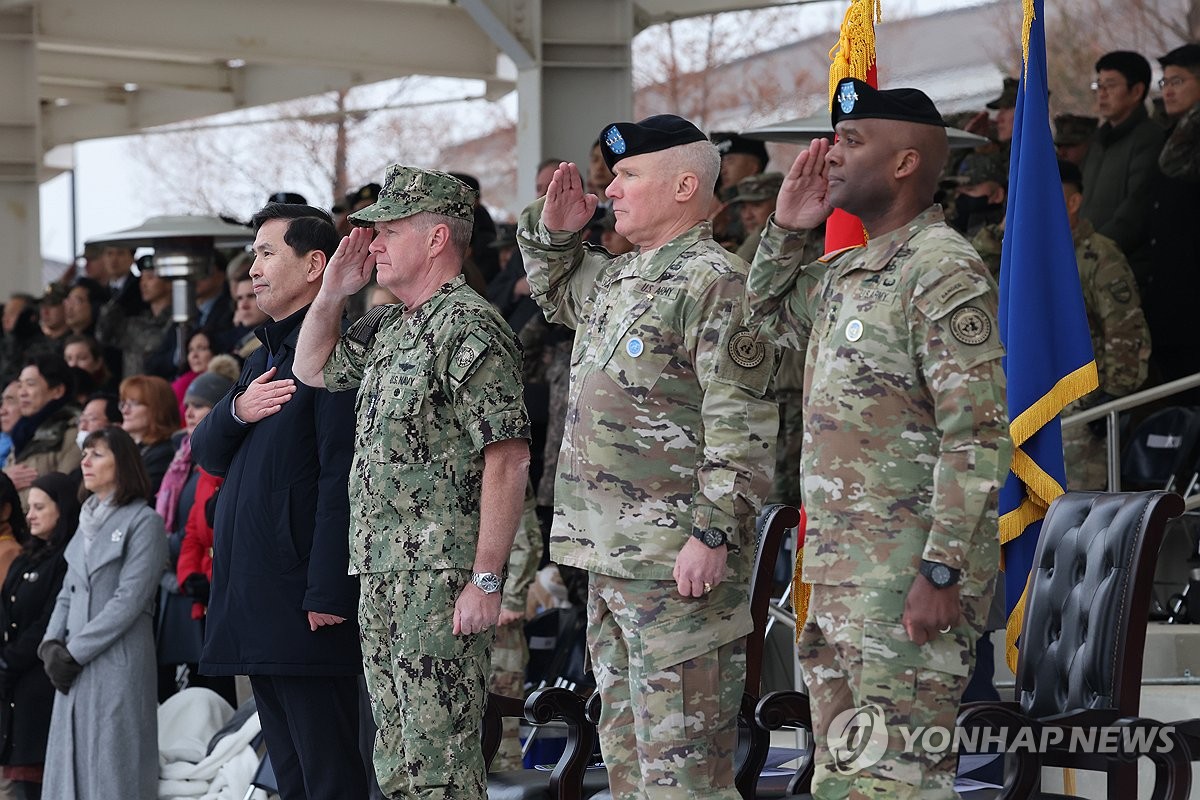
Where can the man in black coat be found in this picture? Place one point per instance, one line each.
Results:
(283, 608)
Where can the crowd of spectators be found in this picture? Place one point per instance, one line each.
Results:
(97, 359)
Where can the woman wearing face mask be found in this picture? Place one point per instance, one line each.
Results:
(28, 595)
(99, 645)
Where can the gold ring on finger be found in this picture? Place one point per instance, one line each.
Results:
(707, 587)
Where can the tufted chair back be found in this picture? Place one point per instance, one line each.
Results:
(1088, 600)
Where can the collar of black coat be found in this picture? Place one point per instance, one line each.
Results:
(1111, 133)
(275, 334)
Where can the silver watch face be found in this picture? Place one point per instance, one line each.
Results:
(940, 574)
(488, 582)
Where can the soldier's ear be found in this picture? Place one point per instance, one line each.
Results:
(686, 186)
(908, 163)
(1074, 202)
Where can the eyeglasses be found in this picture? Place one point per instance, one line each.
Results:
(126, 405)
(1174, 82)
(1108, 86)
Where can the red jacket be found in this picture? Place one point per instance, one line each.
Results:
(195, 553)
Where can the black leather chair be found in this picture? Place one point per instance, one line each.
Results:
(1083, 636)
(566, 781)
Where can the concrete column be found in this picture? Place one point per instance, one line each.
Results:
(573, 72)
(20, 154)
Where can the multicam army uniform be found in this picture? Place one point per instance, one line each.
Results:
(510, 651)
(436, 385)
(1120, 340)
(906, 442)
(670, 427)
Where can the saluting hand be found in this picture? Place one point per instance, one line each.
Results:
(803, 202)
(263, 397)
(567, 207)
(349, 270)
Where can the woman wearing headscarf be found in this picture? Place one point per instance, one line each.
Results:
(99, 645)
(26, 601)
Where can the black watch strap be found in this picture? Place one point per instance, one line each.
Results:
(940, 575)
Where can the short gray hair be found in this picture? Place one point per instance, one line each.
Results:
(461, 230)
(700, 158)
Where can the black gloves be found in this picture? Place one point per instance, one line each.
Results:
(197, 586)
(60, 666)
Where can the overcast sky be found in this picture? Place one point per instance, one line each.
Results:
(108, 181)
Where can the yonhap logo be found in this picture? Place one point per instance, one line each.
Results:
(857, 739)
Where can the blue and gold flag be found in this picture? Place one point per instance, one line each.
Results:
(1043, 325)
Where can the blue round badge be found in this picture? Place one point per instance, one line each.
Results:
(634, 347)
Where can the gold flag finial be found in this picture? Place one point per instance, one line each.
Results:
(854, 52)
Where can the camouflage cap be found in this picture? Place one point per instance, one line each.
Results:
(55, 294)
(756, 188)
(1072, 129)
(978, 168)
(410, 190)
(1008, 95)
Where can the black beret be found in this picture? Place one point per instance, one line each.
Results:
(660, 132)
(857, 99)
(729, 143)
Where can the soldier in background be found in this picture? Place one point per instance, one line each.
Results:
(740, 158)
(906, 434)
(1120, 338)
(1072, 132)
(755, 201)
(440, 468)
(666, 456)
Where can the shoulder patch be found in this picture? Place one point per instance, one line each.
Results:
(363, 332)
(970, 325)
(468, 356)
(746, 351)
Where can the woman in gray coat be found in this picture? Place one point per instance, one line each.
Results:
(99, 645)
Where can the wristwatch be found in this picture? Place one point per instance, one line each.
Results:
(711, 537)
(488, 582)
(939, 574)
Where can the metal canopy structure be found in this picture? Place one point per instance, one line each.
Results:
(72, 70)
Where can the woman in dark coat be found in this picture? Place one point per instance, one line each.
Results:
(27, 598)
(99, 645)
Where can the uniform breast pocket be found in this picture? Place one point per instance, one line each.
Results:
(402, 428)
(637, 362)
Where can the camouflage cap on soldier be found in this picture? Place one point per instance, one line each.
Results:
(1072, 129)
(756, 188)
(978, 168)
(410, 190)
(55, 294)
(1008, 95)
